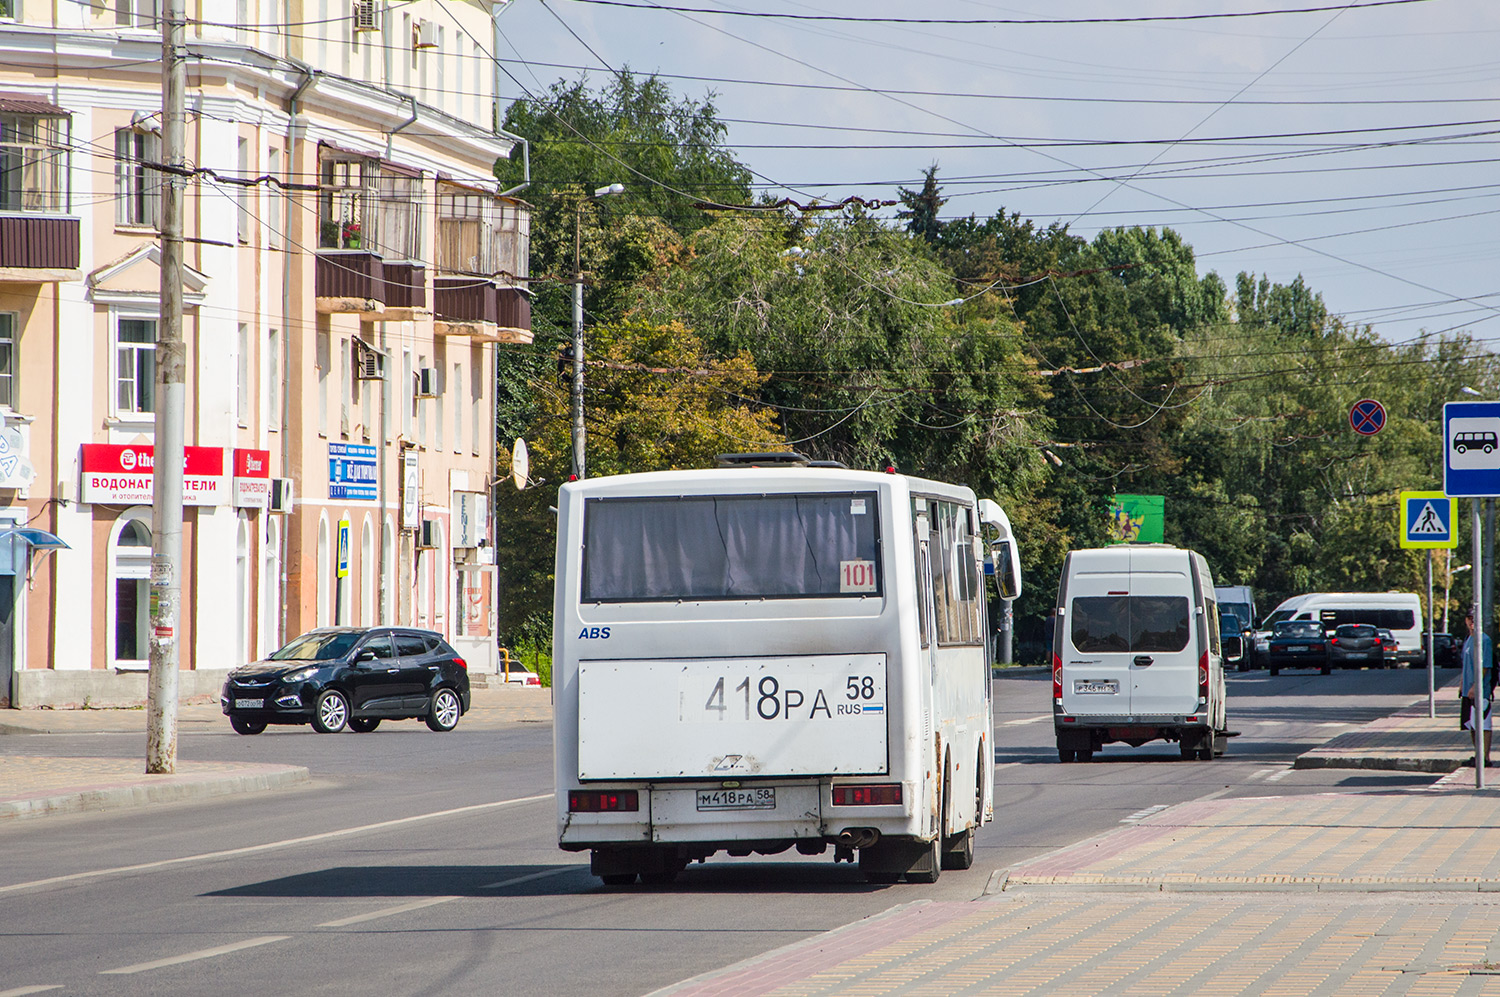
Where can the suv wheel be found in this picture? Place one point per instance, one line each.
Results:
(331, 713)
(444, 710)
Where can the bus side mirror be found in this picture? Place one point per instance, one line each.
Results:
(1006, 559)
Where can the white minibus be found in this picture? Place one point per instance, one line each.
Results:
(1138, 652)
(771, 655)
(1398, 612)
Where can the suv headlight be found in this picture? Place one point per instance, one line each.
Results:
(301, 674)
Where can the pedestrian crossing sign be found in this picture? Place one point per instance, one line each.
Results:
(1427, 520)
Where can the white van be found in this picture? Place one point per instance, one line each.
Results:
(1136, 652)
(1398, 612)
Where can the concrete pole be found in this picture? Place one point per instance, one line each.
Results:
(171, 403)
(578, 431)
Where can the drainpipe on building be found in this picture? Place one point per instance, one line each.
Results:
(309, 76)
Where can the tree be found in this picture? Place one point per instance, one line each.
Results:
(921, 213)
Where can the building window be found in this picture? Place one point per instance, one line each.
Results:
(9, 321)
(273, 214)
(137, 186)
(458, 408)
(241, 193)
(136, 14)
(34, 162)
(130, 559)
(346, 188)
(135, 366)
(273, 379)
(10, 9)
(398, 217)
(322, 361)
(242, 376)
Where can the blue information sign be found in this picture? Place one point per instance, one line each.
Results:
(351, 471)
(1471, 449)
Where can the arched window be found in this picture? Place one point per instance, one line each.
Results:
(440, 579)
(270, 588)
(325, 575)
(388, 613)
(242, 592)
(130, 587)
(367, 572)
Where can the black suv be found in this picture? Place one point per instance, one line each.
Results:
(355, 676)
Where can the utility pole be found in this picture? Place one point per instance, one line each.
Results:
(171, 399)
(579, 439)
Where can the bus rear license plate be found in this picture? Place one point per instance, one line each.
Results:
(1087, 687)
(737, 799)
(248, 704)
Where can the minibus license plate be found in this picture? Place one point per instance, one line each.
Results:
(1095, 687)
(248, 704)
(760, 798)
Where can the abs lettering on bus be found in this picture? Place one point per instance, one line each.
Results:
(594, 633)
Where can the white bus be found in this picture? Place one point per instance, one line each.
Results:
(758, 658)
(1398, 612)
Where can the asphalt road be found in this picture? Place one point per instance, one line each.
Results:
(418, 863)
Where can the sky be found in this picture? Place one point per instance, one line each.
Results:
(1355, 144)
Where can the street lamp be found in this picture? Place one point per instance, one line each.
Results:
(578, 433)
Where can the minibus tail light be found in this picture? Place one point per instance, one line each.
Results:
(879, 795)
(1057, 678)
(1203, 676)
(595, 801)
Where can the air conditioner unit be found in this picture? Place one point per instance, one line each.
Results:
(366, 15)
(427, 382)
(425, 34)
(370, 365)
(427, 533)
(282, 496)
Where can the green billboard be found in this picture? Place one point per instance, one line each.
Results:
(1137, 518)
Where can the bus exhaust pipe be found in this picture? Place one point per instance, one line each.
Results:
(858, 837)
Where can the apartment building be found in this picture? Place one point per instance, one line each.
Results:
(352, 270)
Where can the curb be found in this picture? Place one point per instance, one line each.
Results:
(169, 788)
(1312, 760)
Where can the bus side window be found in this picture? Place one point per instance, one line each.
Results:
(924, 576)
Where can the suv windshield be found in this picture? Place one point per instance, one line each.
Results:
(317, 647)
(818, 544)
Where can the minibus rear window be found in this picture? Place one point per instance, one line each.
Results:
(696, 547)
(1133, 624)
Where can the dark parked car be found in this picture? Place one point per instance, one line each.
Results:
(1297, 644)
(1355, 645)
(338, 676)
(1447, 650)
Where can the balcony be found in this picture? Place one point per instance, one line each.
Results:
(350, 282)
(38, 249)
(478, 308)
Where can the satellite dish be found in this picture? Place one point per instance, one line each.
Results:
(520, 464)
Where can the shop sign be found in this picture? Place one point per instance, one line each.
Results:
(252, 479)
(122, 474)
(470, 519)
(351, 471)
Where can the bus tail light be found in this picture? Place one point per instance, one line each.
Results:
(1057, 679)
(595, 801)
(882, 795)
(1203, 677)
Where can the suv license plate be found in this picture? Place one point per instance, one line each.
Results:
(1095, 687)
(760, 798)
(248, 704)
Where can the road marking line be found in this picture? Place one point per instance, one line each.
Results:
(1258, 774)
(386, 912)
(176, 960)
(531, 876)
(253, 849)
(1028, 720)
(1279, 775)
(23, 991)
(1140, 815)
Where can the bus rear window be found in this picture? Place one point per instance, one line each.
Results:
(696, 547)
(1133, 623)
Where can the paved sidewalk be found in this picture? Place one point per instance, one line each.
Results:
(34, 784)
(1406, 741)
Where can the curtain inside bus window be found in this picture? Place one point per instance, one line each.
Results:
(731, 547)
